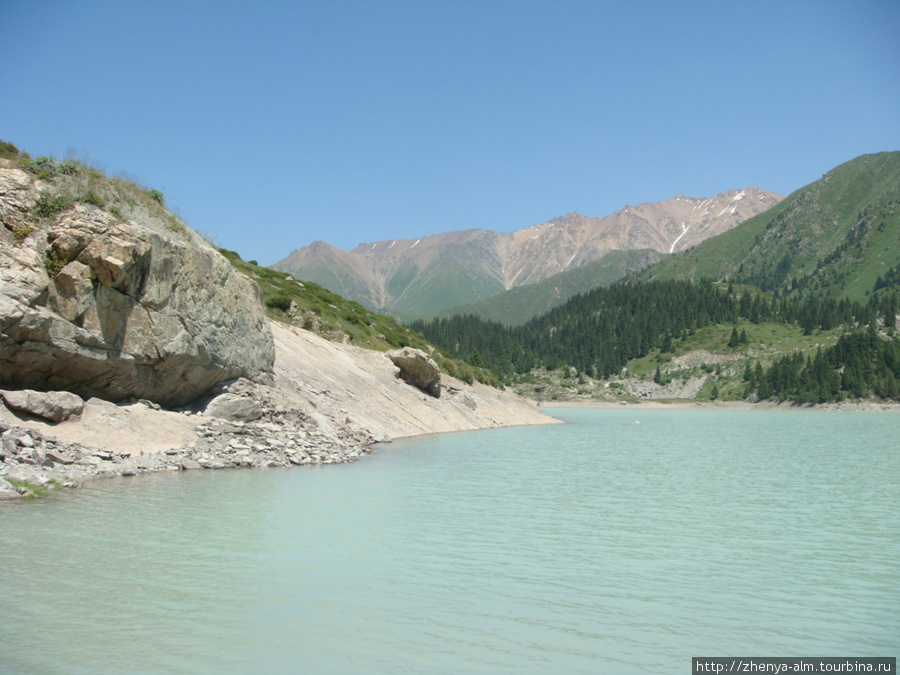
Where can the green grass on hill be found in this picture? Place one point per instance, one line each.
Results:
(70, 181)
(312, 307)
(317, 309)
(831, 238)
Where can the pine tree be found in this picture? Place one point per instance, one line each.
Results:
(735, 339)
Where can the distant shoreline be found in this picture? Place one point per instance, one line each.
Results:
(685, 404)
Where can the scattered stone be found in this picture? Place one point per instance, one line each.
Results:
(7, 491)
(278, 438)
(7, 446)
(60, 458)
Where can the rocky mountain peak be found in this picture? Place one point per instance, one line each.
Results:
(416, 276)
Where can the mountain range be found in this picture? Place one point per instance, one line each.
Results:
(799, 303)
(415, 278)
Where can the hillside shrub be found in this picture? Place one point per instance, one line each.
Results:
(92, 198)
(43, 167)
(21, 231)
(54, 261)
(68, 167)
(8, 150)
(465, 374)
(279, 302)
(50, 207)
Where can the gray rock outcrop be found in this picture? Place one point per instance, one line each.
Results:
(55, 406)
(116, 308)
(417, 369)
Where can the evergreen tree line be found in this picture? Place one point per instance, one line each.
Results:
(860, 365)
(598, 332)
(890, 280)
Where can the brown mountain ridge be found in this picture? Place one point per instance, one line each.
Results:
(415, 277)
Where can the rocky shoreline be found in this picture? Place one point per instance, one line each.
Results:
(875, 405)
(106, 296)
(329, 403)
(33, 462)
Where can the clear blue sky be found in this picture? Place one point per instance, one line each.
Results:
(269, 125)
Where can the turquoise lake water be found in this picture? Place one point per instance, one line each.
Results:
(596, 546)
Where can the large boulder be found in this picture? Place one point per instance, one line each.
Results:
(417, 369)
(55, 406)
(233, 407)
(115, 308)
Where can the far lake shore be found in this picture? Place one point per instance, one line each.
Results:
(684, 404)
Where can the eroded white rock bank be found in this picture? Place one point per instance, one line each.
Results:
(328, 403)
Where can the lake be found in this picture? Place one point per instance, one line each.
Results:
(626, 541)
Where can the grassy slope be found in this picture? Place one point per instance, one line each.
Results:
(314, 308)
(70, 181)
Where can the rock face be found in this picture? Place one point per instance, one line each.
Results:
(417, 369)
(100, 305)
(56, 406)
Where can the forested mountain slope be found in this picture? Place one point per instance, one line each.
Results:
(517, 305)
(834, 237)
(799, 303)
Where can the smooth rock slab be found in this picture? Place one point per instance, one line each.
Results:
(56, 406)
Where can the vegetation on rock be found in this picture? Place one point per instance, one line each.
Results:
(94, 270)
(314, 308)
